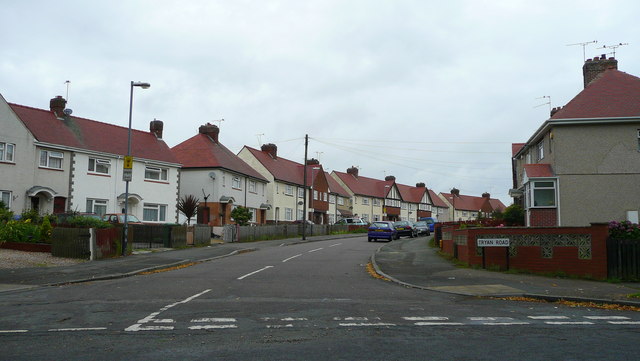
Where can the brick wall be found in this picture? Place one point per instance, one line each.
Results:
(543, 217)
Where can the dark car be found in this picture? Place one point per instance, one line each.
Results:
(382, 229)
(405, 228)
(422, 228)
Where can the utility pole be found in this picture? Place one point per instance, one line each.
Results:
(304, 185)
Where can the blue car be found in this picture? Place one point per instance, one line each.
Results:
(382, 230)
(430, 221)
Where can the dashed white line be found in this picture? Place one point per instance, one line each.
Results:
(569, 323)
(290, 258)
(212, 327)
(624, 322)
(548, 317)
(426, 318)
(77, 329)
(203, 320)
(254, 272)
(365, 324)
(333, 245)
(438, 324)
(13, 331)
(315, 250)
(606, 317)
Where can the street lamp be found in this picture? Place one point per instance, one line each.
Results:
(128, 165)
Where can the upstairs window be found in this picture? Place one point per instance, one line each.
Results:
(365, 201)
(101, 166)
(252, 186)
(156, 173)
(6, 152)
(376, 202)
(51, 159)
(332, 199)
(541, 150)
(288, 189)
(315, 195)
(340, 201)
(235, 183)
(300, 192)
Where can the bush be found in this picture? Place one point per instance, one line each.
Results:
(624, 230)
(20, 231)
(85, 222)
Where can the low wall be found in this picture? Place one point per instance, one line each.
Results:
(233, 233)
(28, 247)
(578, 251)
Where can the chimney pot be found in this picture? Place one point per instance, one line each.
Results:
(57, 105)
(353, 171)
(312, 161)
(156, 126)
(389, 178)
(211, 130)
(270, 148)
(421, 185)
(486, 195)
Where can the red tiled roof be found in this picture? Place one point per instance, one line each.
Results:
(366, 186)
(335, 187)
(89, 134)
(286, 170)
(472, 203)
(437, 202)
(538, 170)
(200, 151)
(612, 94)
(515, 148)
(411, 194)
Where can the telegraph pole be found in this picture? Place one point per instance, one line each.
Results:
(304, 185)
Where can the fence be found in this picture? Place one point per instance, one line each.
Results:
(233, 233)
(623, 259)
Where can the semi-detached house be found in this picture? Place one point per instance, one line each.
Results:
(54, 162)
(416, 202)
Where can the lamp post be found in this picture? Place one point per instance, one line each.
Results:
(128, 165)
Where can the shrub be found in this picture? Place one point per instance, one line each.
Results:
(624, 230)
(241, 215)
(85, 222)
(20, 231)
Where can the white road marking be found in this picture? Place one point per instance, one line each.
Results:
(138, 326)
(212, 327)
(606, 317)
(438, 324)
(288, 325)
(254, 272)
(569, 323)
(504, 323)
(203, 320)
(315, 250)
(350, 319)
(624, 322)
(548, 317)
(427, 318)
(333, 245)
(290, 258)
(490, 318)
(364, 324)
(78, 329)
(13, 331)
(294, 319)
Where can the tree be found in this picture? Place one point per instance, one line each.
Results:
(513, 215)
(241, 215)
(188, 205)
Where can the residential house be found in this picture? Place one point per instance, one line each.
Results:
(288, 186)
(466, 208)
(339, 201)
(372, 199)
(415, 202)
(53, 162)
(219, 179)
(439, 209)
(582, 165)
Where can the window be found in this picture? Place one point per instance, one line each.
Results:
(300, 192)
(332, 198)
(541, 150)
(440, 210)
(156, 173)
(365, 201)
(638, 140)
(99, 165)
(332, 219)
(365, 217)
(464, 213)
(315, 195)
(288, 214)
(300, 214)
(528, 157)
(376, 217)
(154, 212)
(252, 186)
(288, 189)
(543, 194)
(376, 202)
(50, 159)
(403, 205)
(6, 198)
(235, 183)
(6, 152)
(392, 203)
(324, 196)
(97, 206)
(253, 215)
(340, 201)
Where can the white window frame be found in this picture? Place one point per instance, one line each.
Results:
(159, 209)
(5, 154)
(6, 196)
(288, 189)
(332, 198)
(638, 140)
(534, 185)
(300, 192)
(340, 201)
(324, 196)
(300, 214)
(541, 150)
(376, 202)
(236, 183)
(47, 157)
(99, 166)
(315, 195)
(252, 186)
(403, 205)
(365, 201)
(97, 204)
(288, 214)
(162, 173)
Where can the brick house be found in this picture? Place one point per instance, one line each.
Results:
(54, 162)
(210, 169)
(582, 165)
(465, 208)
(286, 189)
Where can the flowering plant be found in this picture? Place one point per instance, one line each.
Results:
(624, 230)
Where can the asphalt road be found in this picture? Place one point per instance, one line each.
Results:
(312, 301)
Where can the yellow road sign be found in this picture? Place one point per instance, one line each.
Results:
(128, 162)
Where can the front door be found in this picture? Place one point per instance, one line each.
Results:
(59, 204)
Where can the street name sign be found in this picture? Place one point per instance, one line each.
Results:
(493, 242)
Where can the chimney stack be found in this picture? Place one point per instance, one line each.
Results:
(57, 105)
(156, 126)
(353, 171)
(389, 178)
(486, 195)
(211, 130)
(594, 67)
(313, 161)
(421, 185)
(270, 148)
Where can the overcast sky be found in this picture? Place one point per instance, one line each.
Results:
(427, 91)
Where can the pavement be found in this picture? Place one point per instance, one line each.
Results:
(408, 261)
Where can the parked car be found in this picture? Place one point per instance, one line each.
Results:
(431, 221)
(299, 221)
(405, 228)
(353, 222)
(382, 229)
(118, 218)
(422, 228)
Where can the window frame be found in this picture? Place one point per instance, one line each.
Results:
(533, 186)
(288, 190)
(365, 201)
(163, 173)
(300, 192)
(4, 152)
(540, 147)
(253, 187)
(49, 155)
(161, 212)
(332, 199)
(97, 161)
(288, 214)
(9, 197)
(93, 202)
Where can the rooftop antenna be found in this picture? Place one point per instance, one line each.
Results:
(259, 136)
(219, 121)
(614, 47)
(584, 55)
(67, 82)
(545, 103)
(318, 155)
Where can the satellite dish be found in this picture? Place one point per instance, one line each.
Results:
(67, 111)
(212, 175)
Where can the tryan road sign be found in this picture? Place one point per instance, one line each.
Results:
(493, 242)
(127, 175)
